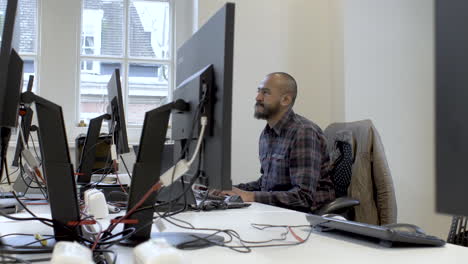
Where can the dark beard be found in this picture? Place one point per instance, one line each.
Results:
(267, 112)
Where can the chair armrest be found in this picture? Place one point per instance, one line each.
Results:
(337, 205)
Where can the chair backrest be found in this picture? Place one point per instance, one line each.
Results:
(342, 165)
(371, 181)
(458, 233)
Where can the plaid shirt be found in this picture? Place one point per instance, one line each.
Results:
(294, 166)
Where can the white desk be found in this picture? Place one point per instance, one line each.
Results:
(321, 247)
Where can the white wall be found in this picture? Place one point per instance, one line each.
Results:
(275, 35)
(389, 78)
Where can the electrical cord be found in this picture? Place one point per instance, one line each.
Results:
(12, 259)
(42, 220)
(5, 181)
(125, 166)
(99, 261)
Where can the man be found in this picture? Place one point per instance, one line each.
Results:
(293, 152)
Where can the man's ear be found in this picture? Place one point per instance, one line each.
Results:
(286, 100)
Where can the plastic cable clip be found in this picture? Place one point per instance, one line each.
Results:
(41, 239)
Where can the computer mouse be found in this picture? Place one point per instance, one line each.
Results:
(401, 227)
(233, 199)
(335, 216)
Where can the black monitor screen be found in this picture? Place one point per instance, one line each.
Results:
(451, 97)
(11, 68)
(117, 124)
(204, 70)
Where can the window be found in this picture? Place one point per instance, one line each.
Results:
(134, 36)
(27, 29)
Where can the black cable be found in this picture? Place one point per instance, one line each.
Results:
(125, 165)
(36, 250)
(42, 220)
(39, 260)
(12, 259)
(12, 173)
(124, 233)
(26, 208)
(114, 260)
(5, 167)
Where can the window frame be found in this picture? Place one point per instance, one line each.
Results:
(34, 56)
(125, 60)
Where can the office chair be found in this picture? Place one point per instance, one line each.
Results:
(371, 192)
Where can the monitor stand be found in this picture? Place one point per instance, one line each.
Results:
(173, 191)
(148, 162)
(88, 154)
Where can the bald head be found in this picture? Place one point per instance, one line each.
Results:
(286, 83)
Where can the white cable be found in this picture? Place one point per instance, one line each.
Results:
(182, 166)
(203, 122)
(23, 141)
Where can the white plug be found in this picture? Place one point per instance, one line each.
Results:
(156, 251)
(113, 151)
(71, 253)
(96, 203)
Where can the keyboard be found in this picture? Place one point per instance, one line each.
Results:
(204, 195)
(207, 201)
(385, 235)
(209, 205)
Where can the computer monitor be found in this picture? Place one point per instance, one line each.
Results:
(204, 80)
(117, 124)
(11, 73)
(10, 90)
(117, 127)
(204, 69)
(451, 97)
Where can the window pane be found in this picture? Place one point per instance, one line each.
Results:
(2, 17)
(27, 18)
(29, 69)
(149, 29)
(148, 88)
(26, 24)
(102, 27)
(93, 87)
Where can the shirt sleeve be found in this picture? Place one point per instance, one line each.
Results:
(305, 167)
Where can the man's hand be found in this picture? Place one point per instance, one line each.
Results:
(245, 195)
